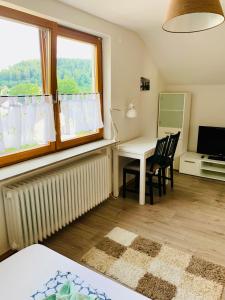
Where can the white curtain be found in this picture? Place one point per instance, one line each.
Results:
(80, 113)
(26, 121)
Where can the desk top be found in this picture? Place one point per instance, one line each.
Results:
(140, 145)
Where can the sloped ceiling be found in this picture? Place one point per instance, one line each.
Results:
(197, 58)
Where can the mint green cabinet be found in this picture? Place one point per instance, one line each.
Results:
(171, 110)
(171, 101)
(174, 116)
(171, 119)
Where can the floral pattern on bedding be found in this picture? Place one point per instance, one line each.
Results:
(55, 284)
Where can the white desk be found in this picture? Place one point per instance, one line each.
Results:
(140, 148)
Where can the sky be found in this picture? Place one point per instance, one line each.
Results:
(74, 49)
(21, 42)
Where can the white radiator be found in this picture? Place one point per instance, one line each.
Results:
(40, 206)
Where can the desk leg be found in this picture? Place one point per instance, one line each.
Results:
(115, 173)
(142, 181)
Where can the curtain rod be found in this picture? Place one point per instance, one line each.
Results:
(23, 96)
(79, 94)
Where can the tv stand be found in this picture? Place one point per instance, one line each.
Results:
(201, 165)
(217, 157)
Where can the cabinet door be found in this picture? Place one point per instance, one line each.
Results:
(171, 109)
(171, 102)
(172, 119)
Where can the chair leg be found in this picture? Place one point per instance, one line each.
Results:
(164, 180)
(171, 175)
(124, 183)
(160, 182)
(150, 185)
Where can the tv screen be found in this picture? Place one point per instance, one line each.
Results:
(211, 140)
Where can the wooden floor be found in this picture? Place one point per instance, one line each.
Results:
(191, 217)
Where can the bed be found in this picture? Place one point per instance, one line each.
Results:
(26, 271)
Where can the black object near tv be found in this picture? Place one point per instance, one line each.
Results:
(211, 141)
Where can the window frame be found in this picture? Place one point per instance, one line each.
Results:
(55, 30)
(97, 42)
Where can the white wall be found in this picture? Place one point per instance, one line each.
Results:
(208, 107)
(149, 99)
(126, 59)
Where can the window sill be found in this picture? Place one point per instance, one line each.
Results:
(36, 163)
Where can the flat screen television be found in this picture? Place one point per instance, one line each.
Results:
(211, 140)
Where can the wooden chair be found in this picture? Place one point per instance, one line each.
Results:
(169, 159)
(153, 167)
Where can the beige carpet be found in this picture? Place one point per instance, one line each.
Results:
(155, 270)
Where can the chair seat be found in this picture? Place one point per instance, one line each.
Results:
(167, 162)
(155, 166)
(135, 166)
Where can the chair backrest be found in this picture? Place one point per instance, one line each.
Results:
(172, 145)
(160, 149)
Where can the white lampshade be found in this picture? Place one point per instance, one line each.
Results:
(186, 16)
(131, 113)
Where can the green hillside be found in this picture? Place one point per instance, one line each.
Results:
(74, 75)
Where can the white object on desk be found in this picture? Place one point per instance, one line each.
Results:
(140, 148)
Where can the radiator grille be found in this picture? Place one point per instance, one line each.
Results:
(38, 207)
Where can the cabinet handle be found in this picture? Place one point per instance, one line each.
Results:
(189, 161)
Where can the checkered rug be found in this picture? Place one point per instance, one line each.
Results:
(155, 270)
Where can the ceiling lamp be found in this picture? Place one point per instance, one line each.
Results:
(186, 16)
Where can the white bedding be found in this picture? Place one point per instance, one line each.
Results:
(25, 272)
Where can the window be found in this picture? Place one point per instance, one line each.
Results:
(21, 75)
(78, 86)
(75, 66)
(20, 64)
(50, 87)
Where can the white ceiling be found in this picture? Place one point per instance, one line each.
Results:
(197, 58)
